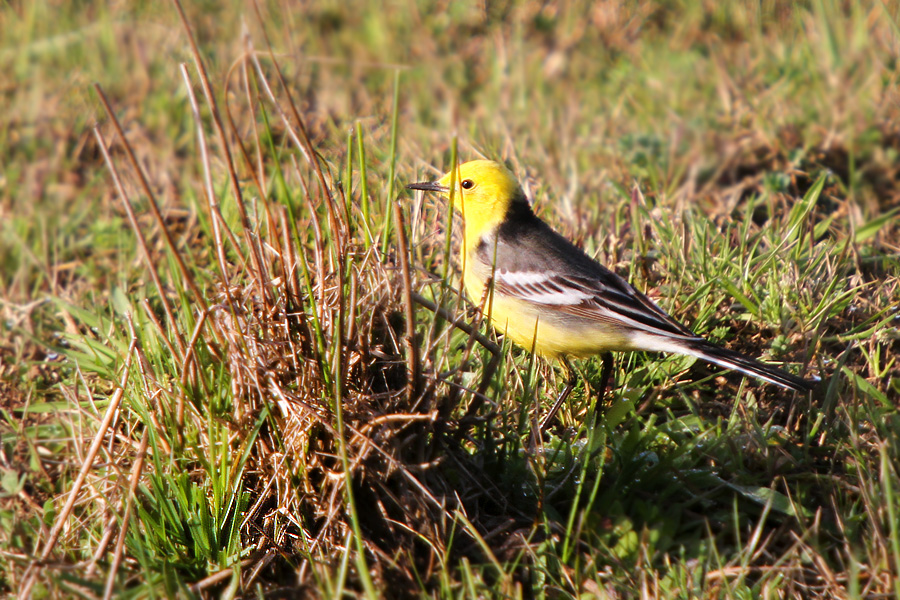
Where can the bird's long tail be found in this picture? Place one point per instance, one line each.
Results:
(730, 359)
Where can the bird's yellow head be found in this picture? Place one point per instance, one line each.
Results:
(483, 192)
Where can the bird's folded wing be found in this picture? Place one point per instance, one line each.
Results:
(603, 298)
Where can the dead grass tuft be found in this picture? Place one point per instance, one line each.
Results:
(308, 322)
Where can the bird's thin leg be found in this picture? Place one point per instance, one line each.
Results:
(605, 374)
(570, 383)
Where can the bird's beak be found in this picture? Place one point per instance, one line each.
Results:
(428, 186)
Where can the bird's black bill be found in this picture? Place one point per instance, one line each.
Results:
(428, 186)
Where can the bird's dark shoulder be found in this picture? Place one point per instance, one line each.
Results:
(526, 243)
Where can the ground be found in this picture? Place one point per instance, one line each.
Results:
(225, 372)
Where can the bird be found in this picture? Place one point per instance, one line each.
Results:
(547, 295)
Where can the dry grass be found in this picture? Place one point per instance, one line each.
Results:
(275, 392)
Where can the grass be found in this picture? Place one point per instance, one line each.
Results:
(273, 387)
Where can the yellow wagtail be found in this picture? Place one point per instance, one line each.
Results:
(547, 294)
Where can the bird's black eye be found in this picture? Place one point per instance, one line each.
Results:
(467, 184)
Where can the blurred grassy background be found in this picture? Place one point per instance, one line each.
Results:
(725, 115)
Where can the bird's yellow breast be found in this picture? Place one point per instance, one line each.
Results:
(551, 336)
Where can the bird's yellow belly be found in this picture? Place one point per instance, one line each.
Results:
(543, 329)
